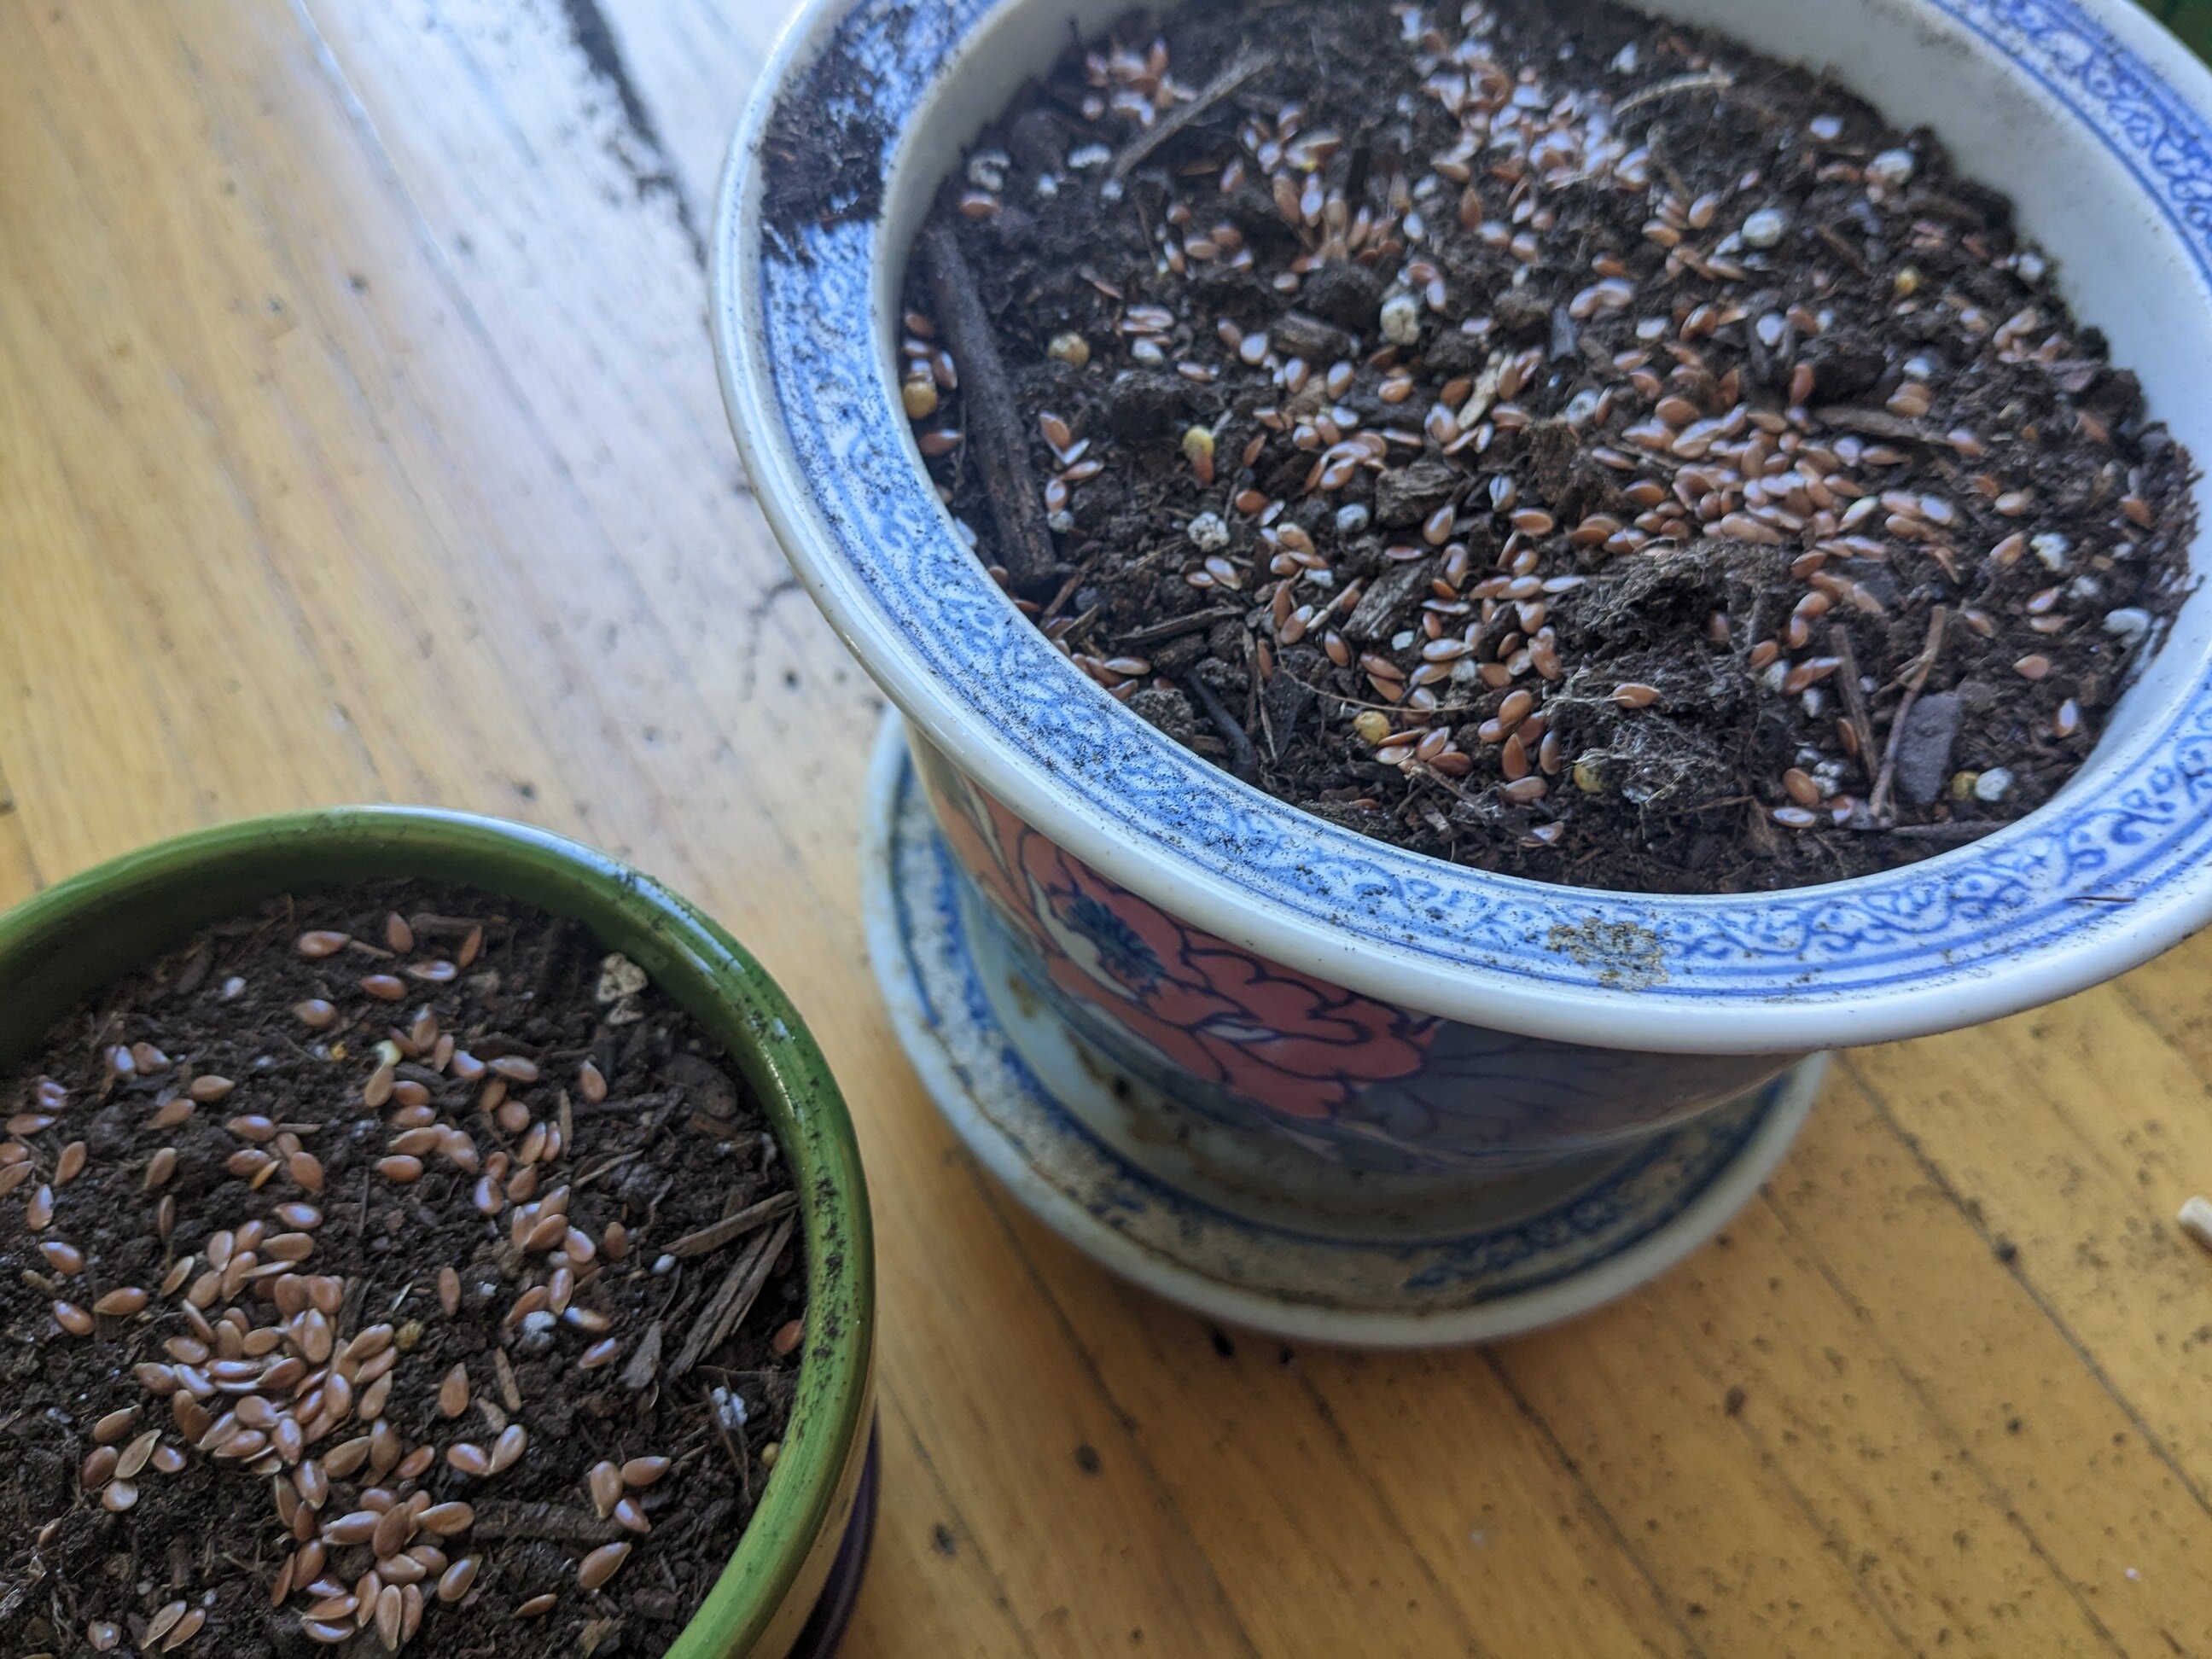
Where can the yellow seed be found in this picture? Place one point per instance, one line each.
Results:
(1070, 348)
(919, 395)
(1198, 450)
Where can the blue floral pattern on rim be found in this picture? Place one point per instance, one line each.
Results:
(1923, 928)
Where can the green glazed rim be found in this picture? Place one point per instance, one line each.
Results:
(61, 945)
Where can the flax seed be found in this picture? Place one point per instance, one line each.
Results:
(604, 1482)
(453, 1583)
(597, 1568)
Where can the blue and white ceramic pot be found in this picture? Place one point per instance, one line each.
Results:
(1271, 976)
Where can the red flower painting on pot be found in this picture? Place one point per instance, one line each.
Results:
(1265, 1033)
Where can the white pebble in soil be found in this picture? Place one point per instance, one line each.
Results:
(2051, 549)
(1208, 533)
(1350, 520)
(1402, 319)
(729, 1408)
(1763, 229)
(986, 169)
(1890, 169)
(2128, 624)
(1993, 785)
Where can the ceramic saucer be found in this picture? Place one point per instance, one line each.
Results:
(1044, 1114)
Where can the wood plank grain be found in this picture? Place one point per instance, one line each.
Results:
(2029, 1415)
(1419, 1492)
(358, 436)
(2072, 1134)
(1224, 1420)
(19, 872)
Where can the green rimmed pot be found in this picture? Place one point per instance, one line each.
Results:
(790, 1583)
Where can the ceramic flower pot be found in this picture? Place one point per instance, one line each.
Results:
(790, 1581)
(1312, 1000)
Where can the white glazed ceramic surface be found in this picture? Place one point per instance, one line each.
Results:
(1242, 1229)
(2084, 111)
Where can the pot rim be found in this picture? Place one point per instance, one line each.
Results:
(2107, 875)
(690, 956)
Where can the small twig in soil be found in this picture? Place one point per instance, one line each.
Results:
(1953, 830)
(721, 1233)
(507, 1389)
(742, 1464)
(1702, 81)
(1876, 423)
(554, 1523)
(1243, 759)
(1381, 707)
(733, 1298)
(1915, 677)
(1175, 627)
(1067, 588)
(1183, 115)
(1854, 695)
(1842, 249)
(995, 420)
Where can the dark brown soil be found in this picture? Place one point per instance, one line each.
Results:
(1567, 444)
(673, 1145)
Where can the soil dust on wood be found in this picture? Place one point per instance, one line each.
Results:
(400, 1203)
(1544, 438)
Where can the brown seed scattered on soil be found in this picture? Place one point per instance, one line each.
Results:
(1744, 389)
(272, 1371)
(601, 1564)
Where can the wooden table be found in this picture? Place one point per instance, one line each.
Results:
(359, 439)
